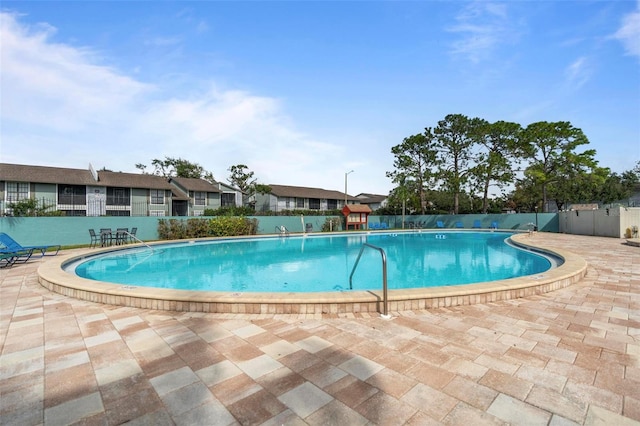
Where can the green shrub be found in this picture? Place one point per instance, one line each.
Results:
(332, 224)
(172, 229)
(197, 228)
(223, 226)
(230, 211)
(33, 207)
(227, 226)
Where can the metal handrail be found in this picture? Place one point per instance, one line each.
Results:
(139, 240)
(384, 274)
(282, 230)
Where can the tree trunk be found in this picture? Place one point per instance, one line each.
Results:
(485, 197)
(456, 202)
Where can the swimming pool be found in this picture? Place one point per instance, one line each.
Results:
(317, 263)
(53, 275)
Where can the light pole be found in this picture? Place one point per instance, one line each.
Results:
(345, 186)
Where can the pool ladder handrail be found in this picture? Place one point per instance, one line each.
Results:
(282, 230)
(384, 275)
(139, 240)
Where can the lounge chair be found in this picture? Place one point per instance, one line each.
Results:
(459, 225)
(374, 225)
(494, 225)
(383, 225)
(13, 245)
(9, 257)
(477, 224)
(439, 224)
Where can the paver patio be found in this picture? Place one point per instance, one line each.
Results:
(567, 357)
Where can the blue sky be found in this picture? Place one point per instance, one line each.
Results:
(302, 92)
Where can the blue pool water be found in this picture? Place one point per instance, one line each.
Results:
(317, 263)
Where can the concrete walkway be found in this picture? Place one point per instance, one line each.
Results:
(567, 357)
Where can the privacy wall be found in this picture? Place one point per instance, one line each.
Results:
(608, 222)
(74, 231)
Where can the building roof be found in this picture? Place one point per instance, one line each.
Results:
(357, 208)
(178, 195)
(131, 180)
(371, 198)
(194, 184)
(43, 174)
(305, 192)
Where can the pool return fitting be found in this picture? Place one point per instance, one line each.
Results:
(385, 299)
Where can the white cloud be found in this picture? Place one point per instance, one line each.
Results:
(629, 32)
(578, 72)
(482, 26)
(45, 84)
(63, 107)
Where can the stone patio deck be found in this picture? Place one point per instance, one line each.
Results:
(571, 356)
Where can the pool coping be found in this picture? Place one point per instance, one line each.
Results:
(52, 276)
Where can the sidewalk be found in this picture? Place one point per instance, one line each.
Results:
(567, 357)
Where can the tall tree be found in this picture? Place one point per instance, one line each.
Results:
(495, 161)
(178, 167)
(620, 187)
(552, 154)
(525, 197)
(404, 196)
(456, 136)
(414, 161)
(579, 185)
(242, 178)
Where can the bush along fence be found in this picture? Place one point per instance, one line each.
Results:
(223, 226)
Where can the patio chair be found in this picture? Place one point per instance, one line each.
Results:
(383, 225)
(459, 225)
(439, 224)
(132, 235)
(106, 237)
(477, 224)
(494, 225)
(122, 234)
(95, 238)
(13, 245)
(374, 225)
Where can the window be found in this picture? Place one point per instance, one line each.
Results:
(287, 202)
(74, 212)
(314, 204)
(228, 199)
(118, 196)
(72, 194)
(332, 204)
(199, 198)
(118, 213)
(300, 203)
(157, 196)
(156, 213)
(17, 191)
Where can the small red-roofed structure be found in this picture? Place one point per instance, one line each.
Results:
(356, 215)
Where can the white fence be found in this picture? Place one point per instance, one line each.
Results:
(616, 222)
